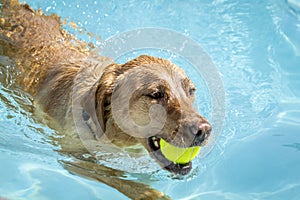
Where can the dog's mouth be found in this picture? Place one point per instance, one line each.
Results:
(176, 168)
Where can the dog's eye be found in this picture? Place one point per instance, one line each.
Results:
(156, 95)
(192, 91)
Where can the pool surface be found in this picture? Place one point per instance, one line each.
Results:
(254, 47)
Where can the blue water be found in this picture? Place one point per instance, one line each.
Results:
(255, 48)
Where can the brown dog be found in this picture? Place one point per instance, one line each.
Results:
(61, 73)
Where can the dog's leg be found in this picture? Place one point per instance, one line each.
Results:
(113, 178)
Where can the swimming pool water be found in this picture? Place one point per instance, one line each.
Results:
(255, 46)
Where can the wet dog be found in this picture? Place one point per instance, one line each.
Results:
(136, 103)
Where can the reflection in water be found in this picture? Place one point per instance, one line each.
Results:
(294, 145)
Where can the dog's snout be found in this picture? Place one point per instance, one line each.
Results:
(203, 133)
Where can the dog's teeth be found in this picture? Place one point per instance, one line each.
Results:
(156, 143)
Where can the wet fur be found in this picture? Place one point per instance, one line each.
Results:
(49, 60)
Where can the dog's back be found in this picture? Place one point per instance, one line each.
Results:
(35, 42)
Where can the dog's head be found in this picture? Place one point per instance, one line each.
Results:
(147, 99)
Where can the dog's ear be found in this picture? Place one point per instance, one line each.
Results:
(96, 103)
(103, 102)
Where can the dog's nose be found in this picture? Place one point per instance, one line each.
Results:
(204, 130)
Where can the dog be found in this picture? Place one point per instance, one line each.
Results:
(61, 73)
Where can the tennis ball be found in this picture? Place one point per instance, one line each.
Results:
(177, 154)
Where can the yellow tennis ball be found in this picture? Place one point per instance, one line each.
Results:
(177, 154)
